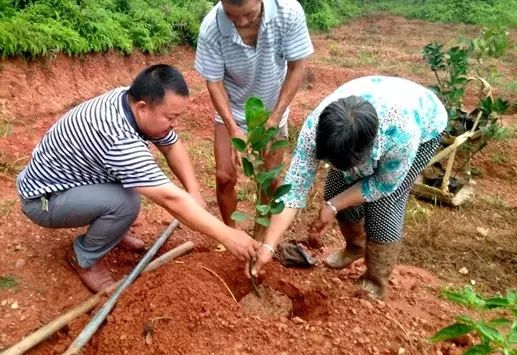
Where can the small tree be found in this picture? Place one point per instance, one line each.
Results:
(496, 334)
(453, 71)
(259, 141)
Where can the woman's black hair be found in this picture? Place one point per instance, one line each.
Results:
(152, 83)
(346, 131)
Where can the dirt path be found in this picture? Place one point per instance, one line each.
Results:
(184, 309)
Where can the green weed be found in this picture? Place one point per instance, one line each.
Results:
(7, 282)
(497, 334)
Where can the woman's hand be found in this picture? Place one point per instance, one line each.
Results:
(264, 255)
(319, 226)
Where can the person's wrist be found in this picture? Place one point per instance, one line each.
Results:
(331, 206)
(269, 248)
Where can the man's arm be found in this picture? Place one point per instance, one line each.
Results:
(182, 206)
(179, 162)
(291, 85)
(221, 103)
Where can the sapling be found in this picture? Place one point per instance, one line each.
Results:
(259, 142)
(497, 335)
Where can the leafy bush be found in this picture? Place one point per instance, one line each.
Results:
(496, 334)
(455, 68)
(324, 14)
(39, 27)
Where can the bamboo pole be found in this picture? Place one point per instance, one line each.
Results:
(55, 325)
(86, 334)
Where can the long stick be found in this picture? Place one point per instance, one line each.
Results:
(101, 315)
(55, 325)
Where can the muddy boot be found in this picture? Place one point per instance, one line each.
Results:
(380, 261)
(354, 249)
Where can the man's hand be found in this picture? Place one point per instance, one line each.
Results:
(264, 256)
(273, 120)
(319, 226)
(236, 155)
(241, 245)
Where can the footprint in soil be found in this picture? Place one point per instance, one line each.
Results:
(270, 303)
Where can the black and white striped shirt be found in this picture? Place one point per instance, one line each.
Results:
(253, 71)
(96, 142)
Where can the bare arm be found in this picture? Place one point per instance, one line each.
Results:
(291, 85)
(179, 162)
(182, 206)
(221, 103)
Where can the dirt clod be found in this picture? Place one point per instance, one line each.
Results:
(270, 303)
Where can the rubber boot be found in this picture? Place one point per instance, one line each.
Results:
(381, 258)
(354, 249)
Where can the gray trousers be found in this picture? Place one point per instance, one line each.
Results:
(108, 209)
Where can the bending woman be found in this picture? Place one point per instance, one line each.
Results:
(377, 133)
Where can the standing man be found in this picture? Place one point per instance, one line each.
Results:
(250, 48)
(93, 164)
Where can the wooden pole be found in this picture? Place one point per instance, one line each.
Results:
(50, 328)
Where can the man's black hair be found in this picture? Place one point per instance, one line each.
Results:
(152, 83)
(346, 132)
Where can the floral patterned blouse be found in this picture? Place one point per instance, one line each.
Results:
(409, 115)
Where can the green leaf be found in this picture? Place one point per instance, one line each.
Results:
(282, 190)
(499, 322)
(239, 144)
(256, 135)
(490, 333)
(480, 349)
(512, 336)
(239, 216)
(496, 302)
(263, 221)
(271, 132)
(263, 209)
(258, 146)
(279, 144)
(267, 175)
(512, 297)
(451, 332)
(255, 112)
(247, 166)
(277, 207)
(466, 296)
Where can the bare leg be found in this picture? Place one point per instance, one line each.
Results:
(225, 175)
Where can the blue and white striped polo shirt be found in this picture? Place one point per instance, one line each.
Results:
(253, 71)
(96, 142)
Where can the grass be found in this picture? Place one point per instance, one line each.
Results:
(479, 12)
(7, 282)
(10, 168)
(5, 128)
(500, 157)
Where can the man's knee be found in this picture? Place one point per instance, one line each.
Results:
(225, 178)
(131, 203)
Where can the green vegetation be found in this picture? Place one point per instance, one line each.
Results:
(482, 12)
(454, 68)
(324, 14)
(7, 282)
(259, 140)
(42, 27)
(497, 335)
(34, 28)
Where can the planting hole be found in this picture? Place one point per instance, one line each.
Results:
(286, 301)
